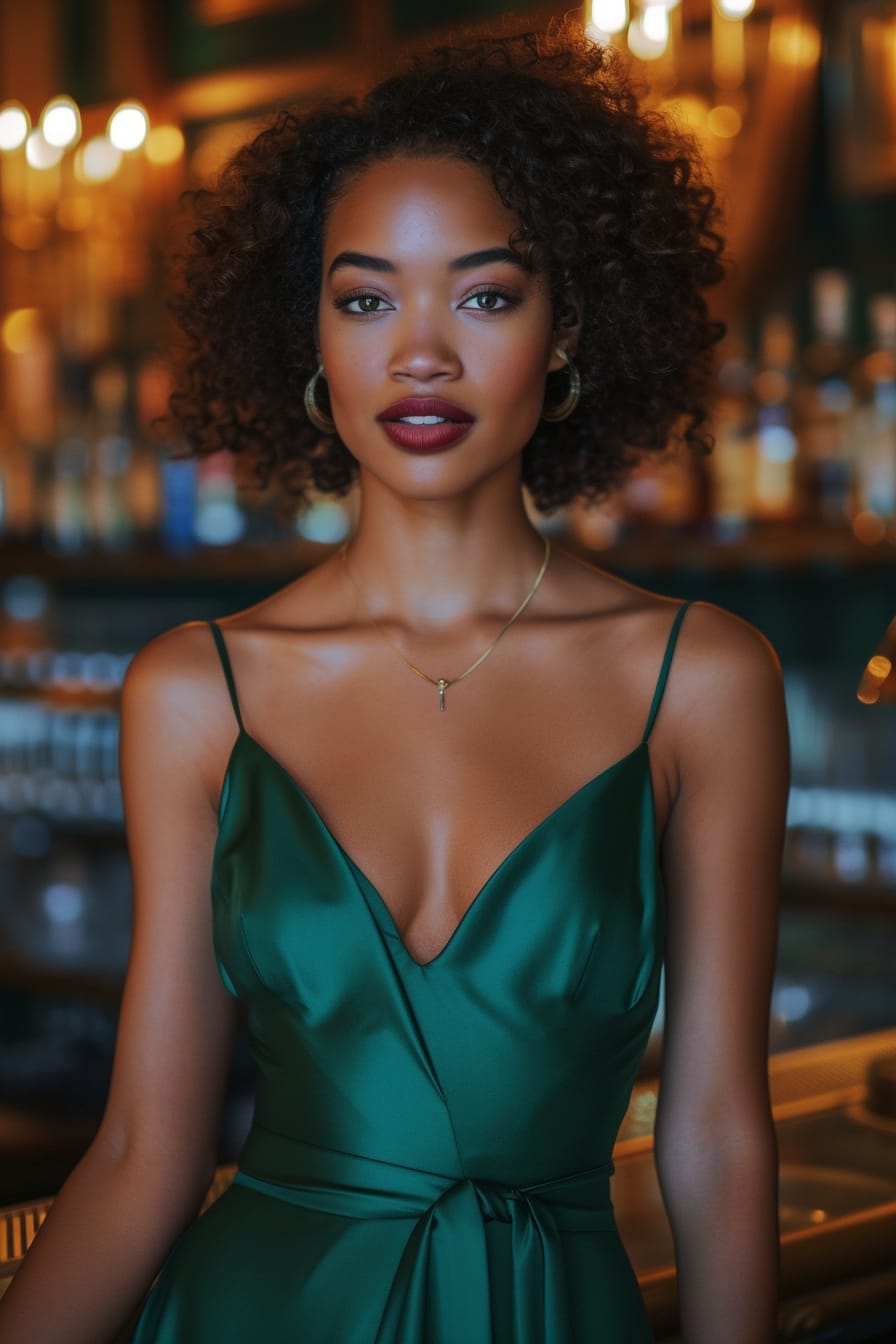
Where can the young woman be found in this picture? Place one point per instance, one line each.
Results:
(453, 795)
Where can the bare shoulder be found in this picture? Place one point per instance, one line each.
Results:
(727, 706)
(178, 672)
(723, 698)
(713, 644)
(726, 665)
(174, 691)
(721, 656)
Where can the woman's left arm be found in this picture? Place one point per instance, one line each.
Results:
(715, 1145)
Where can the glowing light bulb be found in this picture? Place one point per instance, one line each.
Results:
(128, 126)
(724, 121)
(794, 43)
(39, 153)
(98, 160)
(19, 329)
(735, 9)
(655, 23)
(648, 34)
(14, 125)
(60, 122)
(610, 16)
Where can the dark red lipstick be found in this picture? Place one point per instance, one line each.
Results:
(447, 423)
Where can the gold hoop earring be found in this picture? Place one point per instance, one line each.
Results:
(313, 411)
(571, 400)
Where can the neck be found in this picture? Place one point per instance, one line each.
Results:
(435, 567)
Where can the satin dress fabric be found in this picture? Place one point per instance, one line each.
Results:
(430, 1154)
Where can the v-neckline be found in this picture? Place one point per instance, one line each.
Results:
(365, 881)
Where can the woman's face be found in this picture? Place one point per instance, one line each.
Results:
(421, 298)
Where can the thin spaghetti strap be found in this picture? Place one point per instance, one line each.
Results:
(664, 670)
(228, 671)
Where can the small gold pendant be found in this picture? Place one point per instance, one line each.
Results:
(443, 686)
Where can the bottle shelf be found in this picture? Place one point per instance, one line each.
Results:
(768, 546)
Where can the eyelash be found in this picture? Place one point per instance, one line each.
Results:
(344, 300)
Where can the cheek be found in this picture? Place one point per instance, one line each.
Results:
(350, 370)
(515, 375)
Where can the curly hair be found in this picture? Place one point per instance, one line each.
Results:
(613, 205)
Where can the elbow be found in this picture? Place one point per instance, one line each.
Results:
(180, 1177)
(726, 1168)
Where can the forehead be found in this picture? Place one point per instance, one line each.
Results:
(407, 207)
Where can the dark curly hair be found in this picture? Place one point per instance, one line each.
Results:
(612, 204)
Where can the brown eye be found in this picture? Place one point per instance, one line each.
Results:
(368, 304)
(491, 300)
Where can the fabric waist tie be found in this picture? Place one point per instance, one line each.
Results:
(440, 1293)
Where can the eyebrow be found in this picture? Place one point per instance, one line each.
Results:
(464, 263)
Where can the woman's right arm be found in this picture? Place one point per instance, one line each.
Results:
(146, 1171)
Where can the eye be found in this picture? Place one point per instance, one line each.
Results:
(369, 303)
(494, 300)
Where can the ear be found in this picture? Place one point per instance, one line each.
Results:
(567, 337)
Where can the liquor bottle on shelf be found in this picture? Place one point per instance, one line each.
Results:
(220, 519)
(732, 463)
(112, 524)
(774, 492)
(19, 499)
(826, 404)
(166, 483)
(145, 492)
(178, 479)
(876, 419)
(66, 515)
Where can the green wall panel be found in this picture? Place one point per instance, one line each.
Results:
(196, 48)
(81, 54)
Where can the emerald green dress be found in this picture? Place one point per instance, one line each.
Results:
(430, 1155)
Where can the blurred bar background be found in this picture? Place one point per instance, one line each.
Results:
(109, 535)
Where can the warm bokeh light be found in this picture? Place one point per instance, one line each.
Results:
(97, 160)
(19, 329)
(14, 125)
(689, 108)
(60, 122)
(735, 9)
(868, 527)
(655, 23)
(793, 42)
(128, 126)
(877, 670)
(164, 144)
(648, 34)
(724, 121)
(39, 152)
(611, 16)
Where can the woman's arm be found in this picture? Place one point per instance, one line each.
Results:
(715, 1144)
(144, 1175)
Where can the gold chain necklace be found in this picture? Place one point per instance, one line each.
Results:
(442, 683)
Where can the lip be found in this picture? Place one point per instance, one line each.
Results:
(426, 406)
(425, 438)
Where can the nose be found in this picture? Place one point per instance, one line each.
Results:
(423, 352)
